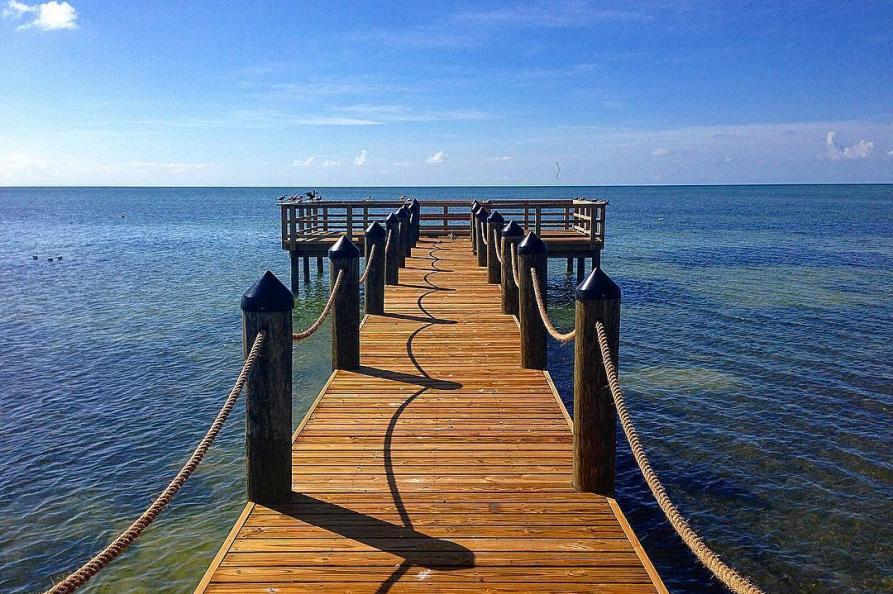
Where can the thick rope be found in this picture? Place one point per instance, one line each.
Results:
(81, 576)
(325, 311)
(498, 249)
(369, 262)
(387, 243)
(484, 234)
(541, 306)
(515, 266)
(731, 578)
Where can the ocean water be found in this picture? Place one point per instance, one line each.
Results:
(756, 352)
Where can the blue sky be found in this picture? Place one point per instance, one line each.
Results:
(316, 94)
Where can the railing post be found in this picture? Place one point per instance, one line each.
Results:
(512, 235)
(392, 255)
(532, 253)
(344, 255)
(405, 249)
(598, 299)
(267, 306)
(494, 236)
(375, 237)
(481, 236)
(415, 211)
(472, 226)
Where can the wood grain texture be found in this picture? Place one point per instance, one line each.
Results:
(439, 465)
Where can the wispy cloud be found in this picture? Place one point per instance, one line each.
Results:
(331, 163)
(360, 159)
(500, 159)
(660, 151)
(47, 16)
(552, 14)
(305, 163)
(836, 152)
(437, 157)
(402, 113)
(418, 38)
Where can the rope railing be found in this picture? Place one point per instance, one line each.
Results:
(515, 276)
(484, 233)
(87, 571)
(387, 243)
(544, 314)
(731, 578)
(498, 249)
(369, 262)
(296, 336)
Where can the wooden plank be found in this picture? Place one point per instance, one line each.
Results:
(438, 465)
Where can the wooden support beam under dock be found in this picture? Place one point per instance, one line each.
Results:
(439, 465)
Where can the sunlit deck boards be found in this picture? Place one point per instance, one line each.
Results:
(439, 466)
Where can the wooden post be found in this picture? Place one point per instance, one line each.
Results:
(512, 235)
(404, 246)
(532, 253)
(415, 212)
(493, 227)
(344, 255)
(375, 237)
(267, 306)
(598, 299)
(581, 268)
(472, 226)
(569, 268)
(305, 261)
(392, 256)
(295, 271)
(481, 236)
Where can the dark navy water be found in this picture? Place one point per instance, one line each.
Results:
(756, 351)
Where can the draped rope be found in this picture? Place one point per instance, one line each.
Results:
(387, 243)
(369, 261)
(515, 265)
(498, 249)
(484, 233)
(544, 314)
(82, 575)
(325, 311)
(731, 578)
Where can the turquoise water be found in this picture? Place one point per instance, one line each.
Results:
(756, 350)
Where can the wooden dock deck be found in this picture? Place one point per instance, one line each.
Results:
(438, 466)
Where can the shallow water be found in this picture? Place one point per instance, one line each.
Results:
(756, 353)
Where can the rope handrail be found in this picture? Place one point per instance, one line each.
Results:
(325, 311)
(387, 243)
(484, 233)
(544, 314)
(515, 265)
(82, 575)
(498, 249)
(732, 579)
(369, 261)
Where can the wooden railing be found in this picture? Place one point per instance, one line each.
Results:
(302, 221)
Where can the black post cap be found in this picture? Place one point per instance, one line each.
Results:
(495, 218)
(403, 213)
(344, 248)
(375, 231)
(391, 220)
(414, 205)
(474, 205)
(513, 229)
(597, 286)
(482, 214)
(532, 244)
(268, 294)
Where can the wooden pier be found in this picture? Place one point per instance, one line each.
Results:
(438, 464)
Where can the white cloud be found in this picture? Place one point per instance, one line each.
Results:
(331, 163)
(305, 163)
(360, 159)
(47, 16)
(836, 152)
(437, 157)
(660, 151)
(890, 153)
(499, 159)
